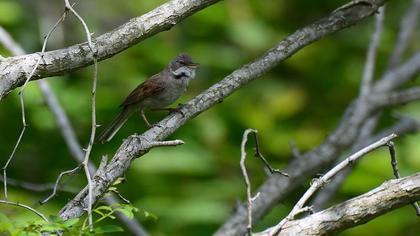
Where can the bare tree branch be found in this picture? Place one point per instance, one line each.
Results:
(402, 127)
(76, 206)
(85, 162)
(320, 182)
(259, 154)
(405, 125)
(37, 187)
(62, 61)
(26, 207)
(246, 178)
(57, 182)
(407, 28)
(368, 127)
(369, 69)
(357, 114)
(390, 195)
(345, 135)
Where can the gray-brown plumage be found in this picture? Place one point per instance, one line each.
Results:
(157, 92)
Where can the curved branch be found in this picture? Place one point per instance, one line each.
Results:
(14, 69)
(26, 207)
(133, 147)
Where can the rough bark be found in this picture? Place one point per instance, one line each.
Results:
(13, 70)
(390, 195)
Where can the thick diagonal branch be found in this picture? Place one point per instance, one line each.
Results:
(58, 62)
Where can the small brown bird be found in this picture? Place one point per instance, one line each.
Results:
(155, 93)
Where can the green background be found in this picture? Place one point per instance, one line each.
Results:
(192, 189)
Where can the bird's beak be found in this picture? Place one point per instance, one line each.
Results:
(193, 65)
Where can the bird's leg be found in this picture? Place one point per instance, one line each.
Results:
(170, 109)
(145, 118)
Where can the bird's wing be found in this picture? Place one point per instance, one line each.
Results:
(144, 90)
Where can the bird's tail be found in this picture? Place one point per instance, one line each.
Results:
(115, 125)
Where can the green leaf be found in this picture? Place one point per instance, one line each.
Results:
(119, 180)
(104, 208)
(99, 212)
(112, 189)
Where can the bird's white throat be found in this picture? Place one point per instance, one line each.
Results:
(184, 71)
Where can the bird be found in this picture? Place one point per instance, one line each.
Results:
(160, 90)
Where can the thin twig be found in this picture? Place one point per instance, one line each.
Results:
(259, 155)
(88, 34)
(394, 165)
(394, 162)
(327, 192)
(407, 28)
(49, 97)
(93, 126)
(22, 103)
(36, 187)
(26, 207)
(318, 183)
(90, 145)
(10, 159)
(57, 182)
(246, 178)
(21, 92)
(125, 200)
(369, 68)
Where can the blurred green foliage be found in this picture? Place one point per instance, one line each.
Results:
(192, 189)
